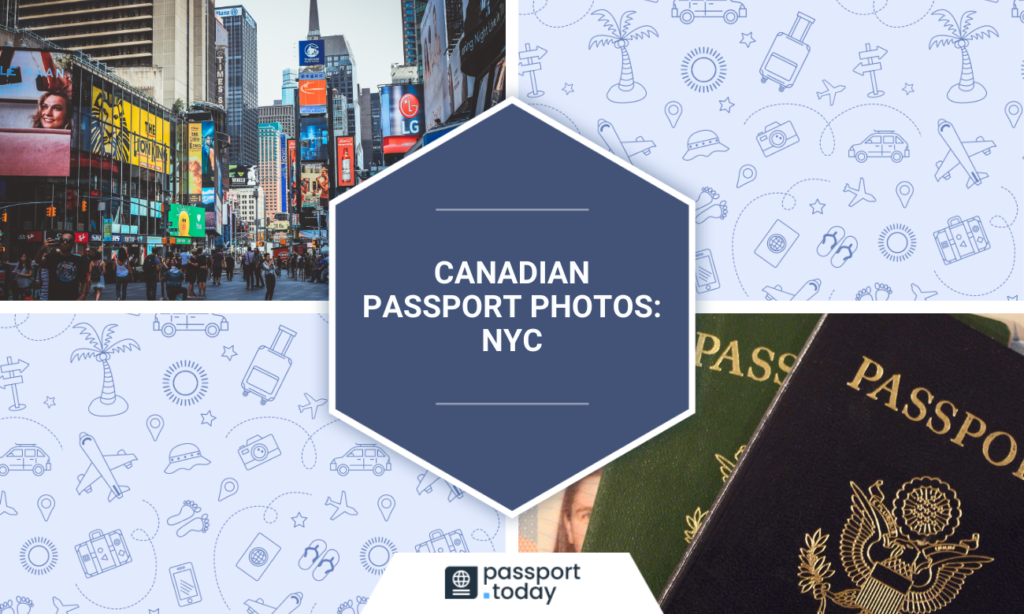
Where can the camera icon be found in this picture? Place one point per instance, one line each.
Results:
(258, 450)
(777, 137)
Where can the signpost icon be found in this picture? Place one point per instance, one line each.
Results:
(10, 376)
(869, 63)
(529, 62)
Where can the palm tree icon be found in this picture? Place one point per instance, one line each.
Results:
(103, 346)
(626, 90)
(967, 90)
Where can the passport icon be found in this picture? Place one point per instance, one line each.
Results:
(777, 243)
(460, 582)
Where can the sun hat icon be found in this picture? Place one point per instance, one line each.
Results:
(184, 456)
(703, 143)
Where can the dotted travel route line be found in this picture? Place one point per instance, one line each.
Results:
(536, 9)
(156, 564)
(1016, 210)
(782, 201)
(1002, 283)
(38, 423)
(321, 316)
(302, 453)
(270, 506)
(17, 325)
(876, 11)
(587, 12)
(567, 118)
(302, 458)
(736, 225)
(487, 537)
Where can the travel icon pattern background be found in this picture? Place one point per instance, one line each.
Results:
(836, 150)
(151, 463)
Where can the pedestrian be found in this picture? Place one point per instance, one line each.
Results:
(218, 263)
(97, 274)
(270, 275)
(124, 275)
(22, 278)
(308, 269)
(203, 271)
(67, 272)
(190, 270)
(151, 273)
(229, 265)
(257, 262)
(165, 266)
(247, 268)
(174, 278)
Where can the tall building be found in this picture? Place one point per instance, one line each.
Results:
(9, 13)
(251, 211)
(340, 69)
(220, 90)
(273, 157)
(289, 85)
(340, 112)
(412, 50)
(377, 158)
(366, 129)
(243, 109)
(283, 114)
(164, 48)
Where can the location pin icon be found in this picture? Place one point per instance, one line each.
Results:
(155, 424)
(904, 190)
(673, 110)
(386, 505)
(46, 504)
(747, 174)
(1013, 109)
(228, 488)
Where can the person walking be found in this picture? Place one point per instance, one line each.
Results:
(229, 265)
(123, 273)
(258, 262)
(269, 270)
(201, 272)
(190, 269)
(98, 274)
(217, 259)
(151, 274)
(165, 265)
(248, 260)
(174, 278)
(23, 278)
(68, 271)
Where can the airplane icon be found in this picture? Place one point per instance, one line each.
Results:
(426, 485)
(61, 608)
(312, 405)
(921, 295)
(102, 466)
(289, 605)
(960, 153)
(623, 149)
(831, 92)
(805, 293)
(859, 194)
(4, 508)
(341, 507)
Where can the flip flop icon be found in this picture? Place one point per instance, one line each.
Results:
(830, 240)
(312, 553)
(326, 565)
(844, 252)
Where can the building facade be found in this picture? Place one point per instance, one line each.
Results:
(283, 114)
(412, 50)
(273, 177)
(242, 87)
(220, 85)
(340, 68)
(340, 111)
(289, 85)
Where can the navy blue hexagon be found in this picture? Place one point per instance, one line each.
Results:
(512, 307)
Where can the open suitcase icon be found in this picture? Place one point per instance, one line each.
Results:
(269, 367)
(787, 54)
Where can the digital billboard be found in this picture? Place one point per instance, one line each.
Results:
(35, 119)
(315, 185)
(243, 176)
(209, 167)
(311, 52)
(346, 161)
(435, 97)
(401, 116)
(314, 138)
(127, 133)
(312, 96)
(194, 142)
(291, 175)
(186, 221)
(282, 146)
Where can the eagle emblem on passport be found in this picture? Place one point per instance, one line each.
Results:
(902, 557)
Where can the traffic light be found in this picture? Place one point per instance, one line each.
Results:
(51, 211)
(85, 206)
(3, 218)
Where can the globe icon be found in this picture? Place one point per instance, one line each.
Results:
(776, 243)
(258, 557)
(460, 578)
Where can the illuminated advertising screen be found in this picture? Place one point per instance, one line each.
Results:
(194, 143)
(291, 174)
(436, 99)
(312, 96)
(186, 221)
(209, 167)
(314, 138)
(311, 52)
(35, 117)
(346, 161)
(401, 110)
(314, 185)
(127, 133)
(282, 146)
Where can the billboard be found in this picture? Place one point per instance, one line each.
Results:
(209, 166)
(436, 96)
(401, 110)
(127, 133)
(312, 96)
(291, 175)
(346, 161)
(243, 176)
(282, 146)
(314, 185)
(186, 221)
(314, 138)
(36, 118)
(311, 53)
(194, 144)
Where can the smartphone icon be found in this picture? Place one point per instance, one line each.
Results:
(707, 276)
(186, 589)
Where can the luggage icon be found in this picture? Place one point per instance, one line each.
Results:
(269, 367)
(787, 54)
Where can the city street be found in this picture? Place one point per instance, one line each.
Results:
(287, 289)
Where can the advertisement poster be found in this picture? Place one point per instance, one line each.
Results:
(314, 185)
(436, 96)
(311, 52)
(401, 116)
(35, 118)
(186, 221)
(312, 96)
(283, 178)
(291, 174)
(346, 154)
(128, 133)
(314, 137)
(209, 153)
(194, 140)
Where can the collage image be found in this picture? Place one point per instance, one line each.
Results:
(543, 343)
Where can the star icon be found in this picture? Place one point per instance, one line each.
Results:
(817, 207)
(568, 89)
(229, 352)
(908, 88)
(726, 105)
(299, 520)
(49, 402)
(208, 416)
(747, 39)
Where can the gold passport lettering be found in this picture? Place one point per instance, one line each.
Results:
(709, 346)
(999, 448)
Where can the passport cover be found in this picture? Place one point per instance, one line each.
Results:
(651, 500)
(886, 477)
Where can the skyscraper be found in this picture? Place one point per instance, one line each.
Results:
(273, 144)
(283, 114)
(289, 86)
(340, 68)
(412, 50)
(243, 113)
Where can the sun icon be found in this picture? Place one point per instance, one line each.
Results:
(185, 382)
(897, 242)
(376, 554)
(703, 69)
(38, 556)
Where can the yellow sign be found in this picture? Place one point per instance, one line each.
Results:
(128, 133)
(195, 158)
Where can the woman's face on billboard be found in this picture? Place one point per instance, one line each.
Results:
(54, 112)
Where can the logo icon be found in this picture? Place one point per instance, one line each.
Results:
(902, 558)
(409, 106)
(460, 582)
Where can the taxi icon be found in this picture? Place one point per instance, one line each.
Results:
(881, 144)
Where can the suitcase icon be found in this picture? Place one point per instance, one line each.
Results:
(444, 542)
(102, 553)
(961, 239)
(269, 367)
(787, 54)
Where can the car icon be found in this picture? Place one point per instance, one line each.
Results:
(729, 10)
(363, 457)
(881, 144)
(170, 323)
(25, 457)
